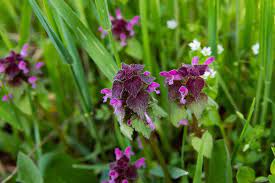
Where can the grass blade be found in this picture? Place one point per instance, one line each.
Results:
(90, 43)
(52, 35)
(25, 25)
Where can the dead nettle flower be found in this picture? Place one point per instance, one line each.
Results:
(122, 171)
(121, 28)
(16, 69)
(186, 83)
(130, 94)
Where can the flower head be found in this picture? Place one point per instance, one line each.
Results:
(121, 28)
(172, 24)
(16, 69)
(195, 45)
(206, 51)
(188, 85)
(255, 48)
(129, 95)
(122, 170)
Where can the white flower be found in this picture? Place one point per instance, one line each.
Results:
(206, 51)
(220, 49)
(172, 24)
(255, 48)
(209, 73)
(195, 45)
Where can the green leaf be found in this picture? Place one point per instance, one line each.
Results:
(272, 167)
(177, 114)
(271, 178)
(220, 164)
(198, 107)
(126, 130)
(273, 150)
(245, 175)
(175, 172)
(27, 170)
(140, 127)
(25, 23)
(87, 39)
(66, 57)
(261, 179)
(57, 167)
(208, 142)
(134, 49)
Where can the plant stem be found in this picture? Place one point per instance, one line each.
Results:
(160, 158)
(35, 124)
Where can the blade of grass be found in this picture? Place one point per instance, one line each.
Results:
(66, 57)
(87, 39)
(212, 25)
(198, 170)
(25, 24)
(247, 121)
(267, 55)
(105, 22)
(145, 35)
(5, 38)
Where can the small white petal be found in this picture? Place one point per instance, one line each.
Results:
(195, 45)
(255, 48)
(220, 49)
(172, 24)
(206, 51)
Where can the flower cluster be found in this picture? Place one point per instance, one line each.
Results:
(186, 83)
(129, 95)
(195, 45)
(122, 171)
(16, 69)
(121, 28)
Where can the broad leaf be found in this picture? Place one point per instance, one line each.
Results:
(208, 142)
(245, 175)
(140, 127)
(27, 170)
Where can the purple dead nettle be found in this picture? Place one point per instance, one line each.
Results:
(186, 83)
(121, 28)
(130, 94)
(122, 170)
(16, 69)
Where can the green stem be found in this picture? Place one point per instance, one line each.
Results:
(160, 158)
(184, 137)
(35, 124)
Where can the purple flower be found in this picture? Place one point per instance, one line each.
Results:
(153, 88)
(129, 95)
(170, 76)
(32, 80)
(121, 28)
(16, 69)
(122, 171)
(7, 97)
(185, 84)
(183, 122)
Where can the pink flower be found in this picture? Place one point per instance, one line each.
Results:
(149, 121)
(170, 76)
(108, 94)
(146, 73)
(103, 32)
(153, 88)
(39, 65)
(32, 80)
(183, 122)
(209, 60)
(140, 163)
(6, 98)
(2, 68)
(183, 92)
(23, 66)
(24, 51)
(195, 60)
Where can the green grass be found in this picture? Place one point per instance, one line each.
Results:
(64, 125)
